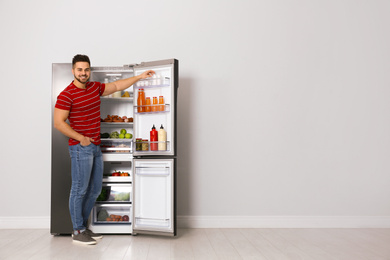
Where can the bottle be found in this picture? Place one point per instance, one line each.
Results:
(162, 139)
(141, 100)
(153, 139)
(161, 106)
(147, 105)
(155, 102)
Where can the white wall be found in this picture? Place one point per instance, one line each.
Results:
(283, 105)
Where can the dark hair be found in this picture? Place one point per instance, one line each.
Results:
(80, 57)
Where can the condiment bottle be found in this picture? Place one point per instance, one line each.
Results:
(155, 102)
(162, 139)
(147, 105)
(161, 106)
(153, 139)
(141, 100)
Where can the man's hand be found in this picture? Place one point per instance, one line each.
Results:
(147, 74)
(85, 141)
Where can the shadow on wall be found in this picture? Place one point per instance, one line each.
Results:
(185, 142)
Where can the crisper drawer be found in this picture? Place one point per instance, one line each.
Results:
(112, 214)
(115, 192)
(116, 145)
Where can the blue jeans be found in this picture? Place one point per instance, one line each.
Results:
(87, 176)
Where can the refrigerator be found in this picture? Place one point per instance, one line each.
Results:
(139, 146)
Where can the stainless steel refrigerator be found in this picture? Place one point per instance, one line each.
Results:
(139, 183)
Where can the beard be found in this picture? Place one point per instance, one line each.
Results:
(82, 81)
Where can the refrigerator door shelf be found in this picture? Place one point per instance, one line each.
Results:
(148, 84)
(166, 109)
(112, 214)
(153, 222)
(139, 149)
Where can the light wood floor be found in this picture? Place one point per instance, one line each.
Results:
(279, 244)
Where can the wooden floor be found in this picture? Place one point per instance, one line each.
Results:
(313, 244)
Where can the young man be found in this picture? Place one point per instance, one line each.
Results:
(80, 104)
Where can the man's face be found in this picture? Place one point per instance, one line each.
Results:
(81, 71)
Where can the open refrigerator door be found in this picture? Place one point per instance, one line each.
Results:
(155, 108)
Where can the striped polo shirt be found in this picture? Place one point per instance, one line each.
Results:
(84, 109)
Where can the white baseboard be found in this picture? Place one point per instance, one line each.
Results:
(24, 222)
(234, 222)
(283, 221)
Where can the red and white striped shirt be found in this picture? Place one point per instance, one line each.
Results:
(84, 109)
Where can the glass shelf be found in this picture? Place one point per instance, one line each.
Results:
(166, 109)
(139, 147)
(153, 83)
(114, 124)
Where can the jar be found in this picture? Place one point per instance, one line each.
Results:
(138, 144)
(145, 145)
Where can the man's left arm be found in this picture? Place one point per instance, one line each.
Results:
(123, 84)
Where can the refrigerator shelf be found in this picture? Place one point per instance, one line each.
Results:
(114, 124)
(126, 179)
(117, 99)
(117, 157)
(124, 140)
(112, 223)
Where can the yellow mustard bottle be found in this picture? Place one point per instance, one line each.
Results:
(162, 139)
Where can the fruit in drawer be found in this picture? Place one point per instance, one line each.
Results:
(125, 218)
(122, 196)
(102, 215)
(124, 174)
(116, 174)
(128, 136)
(121, 136)
(123, 131)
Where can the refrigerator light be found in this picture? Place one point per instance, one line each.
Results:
(114, 74)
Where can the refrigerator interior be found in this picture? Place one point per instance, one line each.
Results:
(113, 209)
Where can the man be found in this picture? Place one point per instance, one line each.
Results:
(80, 104)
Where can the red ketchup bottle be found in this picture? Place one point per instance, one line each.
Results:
(153, 139)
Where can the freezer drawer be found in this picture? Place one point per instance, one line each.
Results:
(111, 214)
(115, 192)
(116, 145)
(154, 204)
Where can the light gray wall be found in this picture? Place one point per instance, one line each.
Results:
(283, 105)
